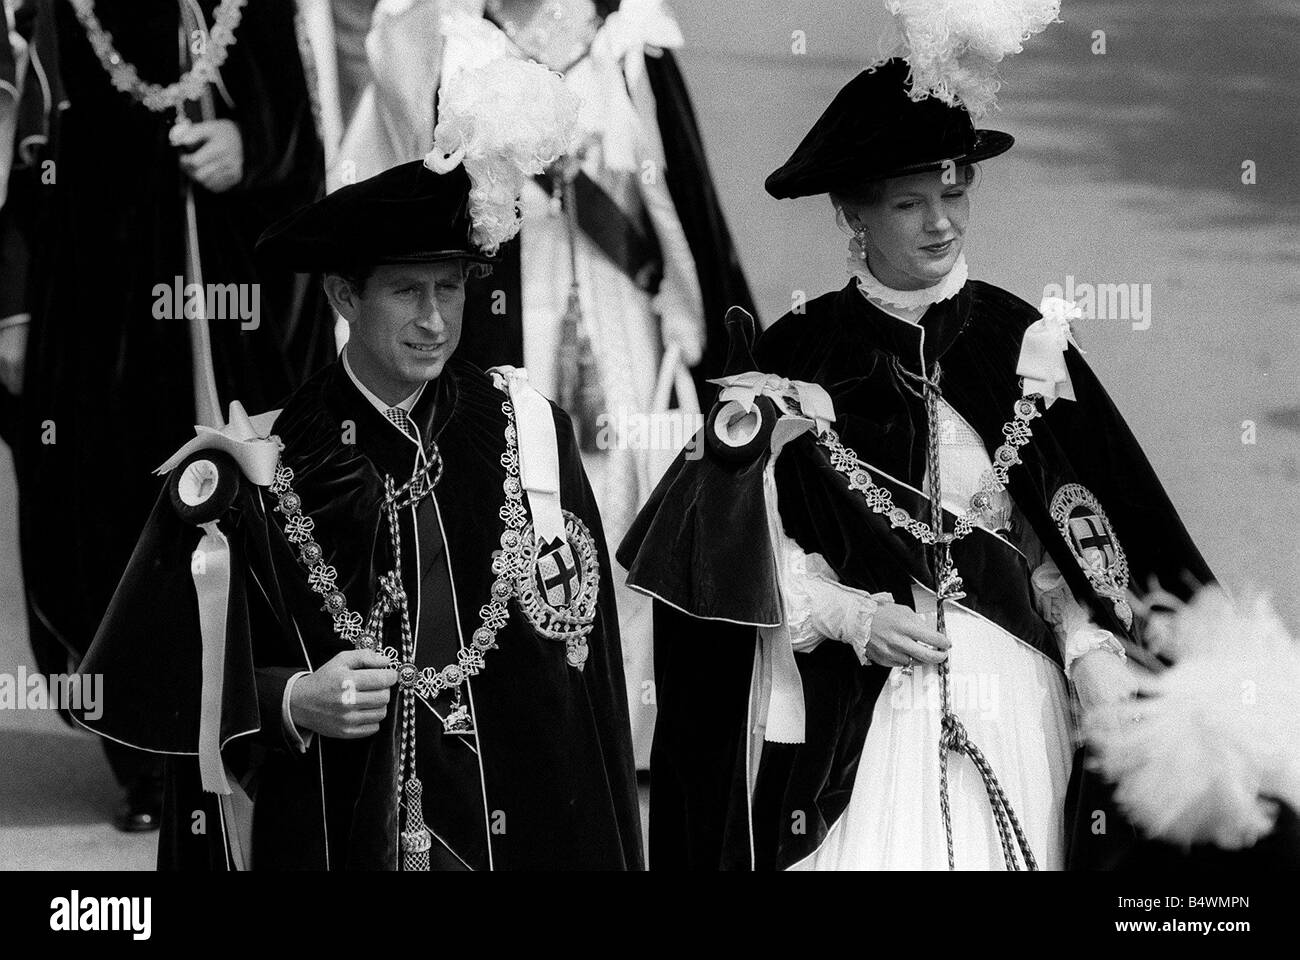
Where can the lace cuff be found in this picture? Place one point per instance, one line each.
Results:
(818, 606)
(1075, 631)
(844, 613)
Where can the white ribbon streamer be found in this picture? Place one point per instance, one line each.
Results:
(210, 569)
(539, 455)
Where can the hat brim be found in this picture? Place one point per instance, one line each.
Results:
(852, 175)
(434, 256)
(988, 144)
(301, 261)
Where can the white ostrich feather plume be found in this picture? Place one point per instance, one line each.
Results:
(1213, 742)
(506, 121)
(954, 46)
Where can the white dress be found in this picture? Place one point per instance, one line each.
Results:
(1013, 700)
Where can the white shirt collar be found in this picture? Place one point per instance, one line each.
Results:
(907, 305)
(408, 404)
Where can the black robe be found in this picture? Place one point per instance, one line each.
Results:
(552, 783)
(108, 386)
(707, 516)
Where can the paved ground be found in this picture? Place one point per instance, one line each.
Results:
(1127, 170)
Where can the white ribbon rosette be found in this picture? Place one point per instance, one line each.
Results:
(1042, 351)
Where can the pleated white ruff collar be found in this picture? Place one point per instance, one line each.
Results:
(907, 305)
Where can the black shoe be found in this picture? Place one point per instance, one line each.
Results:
(141, 809)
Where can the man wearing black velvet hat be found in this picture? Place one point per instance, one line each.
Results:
(405, 652)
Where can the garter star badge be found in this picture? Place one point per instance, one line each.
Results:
(1088, 533)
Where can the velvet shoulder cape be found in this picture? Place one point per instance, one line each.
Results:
(700, 547)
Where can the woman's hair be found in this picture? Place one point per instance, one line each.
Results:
(874, 190)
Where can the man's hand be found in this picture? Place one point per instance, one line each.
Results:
(217, 160)
(1100, 677)
(900, 637)
(346, 698)
(13, 351)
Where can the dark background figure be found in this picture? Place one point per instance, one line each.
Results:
(691, 184)
(109, 389)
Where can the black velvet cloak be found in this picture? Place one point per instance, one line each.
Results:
(108, 385)
(700, 545)
(553, 785)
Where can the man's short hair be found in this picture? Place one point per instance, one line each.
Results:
(355, 276)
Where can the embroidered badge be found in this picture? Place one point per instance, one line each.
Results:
(557, 585)
(1092, 540)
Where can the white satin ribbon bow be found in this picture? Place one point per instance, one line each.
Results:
(243, 437)
(1042, 351)
(813, 401)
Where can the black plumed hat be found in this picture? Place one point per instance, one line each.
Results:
(874, 130)
(407, 214)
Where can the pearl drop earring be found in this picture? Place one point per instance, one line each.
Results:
(860, 238)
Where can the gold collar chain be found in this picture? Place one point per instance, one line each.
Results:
(364, 634)
(209, 58)
(1017, 433)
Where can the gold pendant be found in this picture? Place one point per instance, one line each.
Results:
(458, 722)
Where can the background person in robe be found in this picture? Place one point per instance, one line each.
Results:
(655, 264)
(109, 388)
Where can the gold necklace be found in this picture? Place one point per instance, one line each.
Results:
(209, 58)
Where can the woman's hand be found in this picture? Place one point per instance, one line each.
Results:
(899, 637)
(347, 698)
(1100, 677)
(217, 160)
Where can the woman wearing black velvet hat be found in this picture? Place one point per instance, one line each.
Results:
(924, 720)
(970, 390)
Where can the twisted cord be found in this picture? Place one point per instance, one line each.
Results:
(953, 737)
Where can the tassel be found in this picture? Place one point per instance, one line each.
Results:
(416, 839)
(578, 382)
